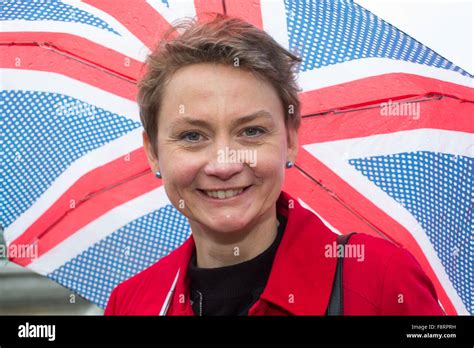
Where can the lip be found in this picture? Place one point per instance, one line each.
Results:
(230, 199)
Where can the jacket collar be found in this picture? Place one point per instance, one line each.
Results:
(301, 279)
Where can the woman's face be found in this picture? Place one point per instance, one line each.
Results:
(221, 128)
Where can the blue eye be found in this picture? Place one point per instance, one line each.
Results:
(194, 139)
(258, 129)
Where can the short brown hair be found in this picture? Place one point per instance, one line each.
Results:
(224, 40)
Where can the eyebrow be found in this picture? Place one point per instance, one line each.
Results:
(244, 119)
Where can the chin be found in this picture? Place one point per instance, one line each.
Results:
(226, 225)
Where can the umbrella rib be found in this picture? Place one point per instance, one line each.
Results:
(49, 46)
(429, 97)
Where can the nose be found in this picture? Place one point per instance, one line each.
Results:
(223, 171)
(223, 166)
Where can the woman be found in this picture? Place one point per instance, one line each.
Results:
(221, 114)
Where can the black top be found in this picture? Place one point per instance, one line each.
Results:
(232, 290)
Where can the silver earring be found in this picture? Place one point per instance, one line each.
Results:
(158, 174)
(289, 164)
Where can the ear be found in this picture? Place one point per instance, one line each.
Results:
(152, 160)
(292, 141)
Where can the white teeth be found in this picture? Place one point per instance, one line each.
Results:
(224, 194)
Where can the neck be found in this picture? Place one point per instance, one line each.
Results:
(216, 249)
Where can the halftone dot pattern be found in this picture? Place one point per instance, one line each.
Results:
(51, 10)
(327, 32)
(43, 135)
(437, 189)
(99, 269)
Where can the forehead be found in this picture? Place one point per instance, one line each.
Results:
(206, 87)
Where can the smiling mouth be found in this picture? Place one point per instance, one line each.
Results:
(224, 194)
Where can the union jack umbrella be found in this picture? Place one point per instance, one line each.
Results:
(386, 137)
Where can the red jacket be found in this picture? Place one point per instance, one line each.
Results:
(383, 280)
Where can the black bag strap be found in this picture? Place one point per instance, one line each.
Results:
(336, 304)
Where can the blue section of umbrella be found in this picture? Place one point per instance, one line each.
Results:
(52, 10)
(331, 32)
(43, 135)
(96, 271)
(437, 189)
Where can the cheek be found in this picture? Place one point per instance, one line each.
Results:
(269, 165)
(182, 171)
